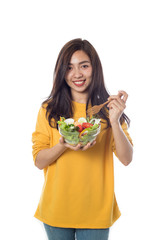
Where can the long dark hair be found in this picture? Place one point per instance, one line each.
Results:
(59, 103)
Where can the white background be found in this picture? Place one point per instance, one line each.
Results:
(126, 35)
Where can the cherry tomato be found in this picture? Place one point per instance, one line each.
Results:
(87, 125)
(80, 128)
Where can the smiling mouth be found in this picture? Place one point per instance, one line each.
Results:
(79, 83)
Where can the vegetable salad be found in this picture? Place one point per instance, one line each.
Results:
(82, 131)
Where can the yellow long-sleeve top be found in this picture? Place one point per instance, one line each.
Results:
(78, 189)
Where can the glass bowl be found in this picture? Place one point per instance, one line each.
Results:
(73, 138)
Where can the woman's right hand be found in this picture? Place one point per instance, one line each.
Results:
(78, 146)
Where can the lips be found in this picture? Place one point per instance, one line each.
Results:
(79, 83)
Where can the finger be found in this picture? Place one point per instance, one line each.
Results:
(116, 109)
(92, 143)
(120, 94)
(113, 97)
(89, 145)
(121, 102)
(124, 94)
(61, 140)
(118, 98)
(112, 105)
(75, 148)
(86, 147)
(117, 103)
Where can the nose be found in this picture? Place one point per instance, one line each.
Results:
(77, 73)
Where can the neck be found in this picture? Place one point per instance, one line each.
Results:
(80, 97)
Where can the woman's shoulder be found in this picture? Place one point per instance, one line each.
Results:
(46, 114)
(42, 110)
(42, 113)
(44, 105)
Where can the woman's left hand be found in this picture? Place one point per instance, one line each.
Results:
(78, 146)
(116, 106)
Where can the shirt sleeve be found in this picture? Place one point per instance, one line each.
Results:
(41, 136)
(125, 130)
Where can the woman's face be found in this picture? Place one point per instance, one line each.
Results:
(79, 73)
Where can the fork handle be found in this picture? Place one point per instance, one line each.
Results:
(105, 103)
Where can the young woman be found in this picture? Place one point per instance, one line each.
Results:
(78, 193)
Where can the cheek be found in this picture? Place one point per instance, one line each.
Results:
(89, 72)
(68, 82)
(68, 76)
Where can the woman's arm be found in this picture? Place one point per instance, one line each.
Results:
(124, 148)
(47, 156)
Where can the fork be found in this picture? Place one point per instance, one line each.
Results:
(95, 109)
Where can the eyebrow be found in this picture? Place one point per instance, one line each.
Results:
(80, 62)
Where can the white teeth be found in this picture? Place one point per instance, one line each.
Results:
(79, 82)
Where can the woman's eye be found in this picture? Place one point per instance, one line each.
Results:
(69, 68)
(84, 66)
